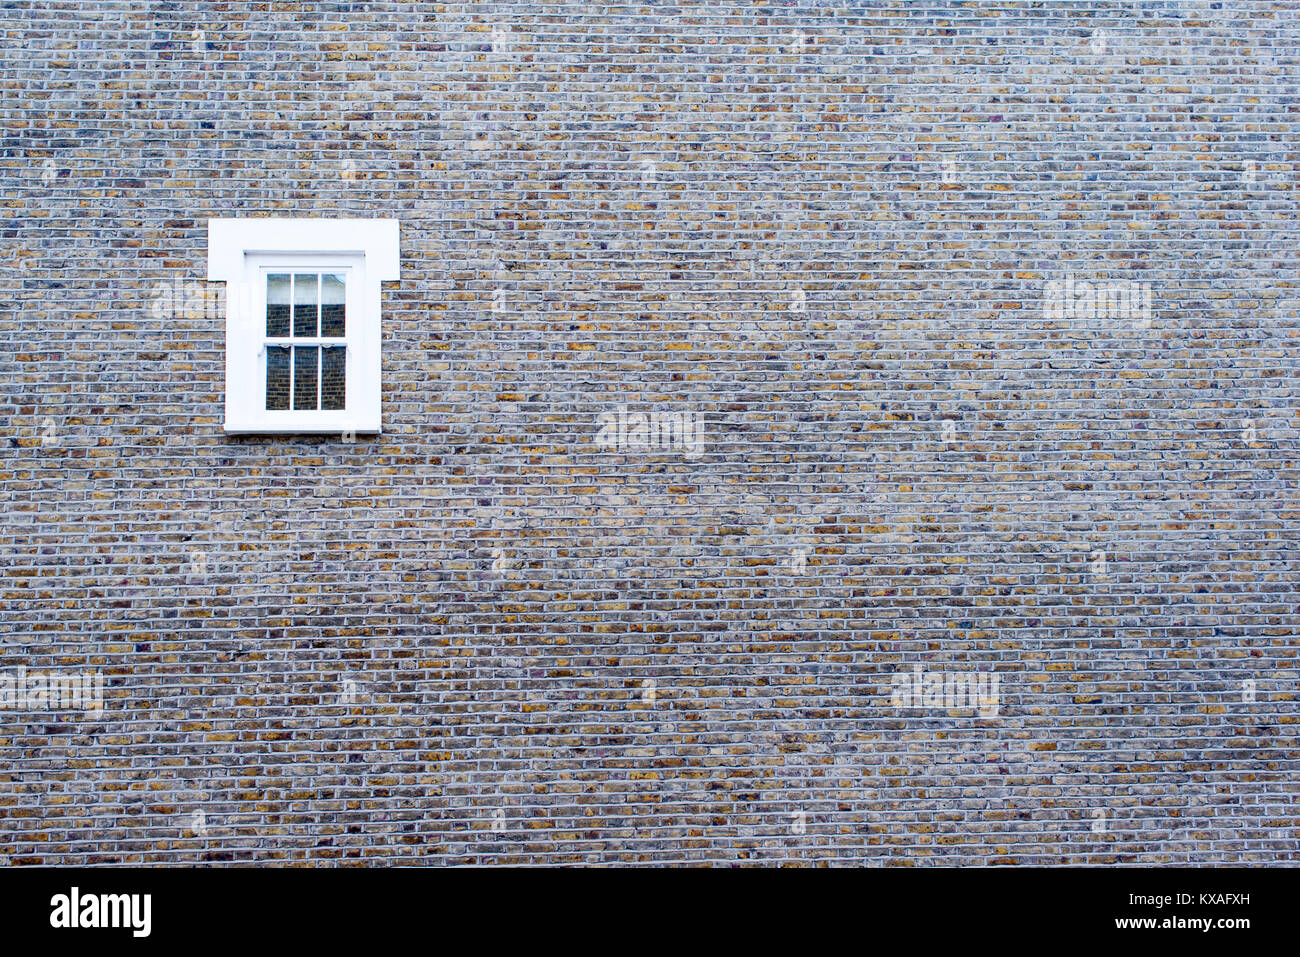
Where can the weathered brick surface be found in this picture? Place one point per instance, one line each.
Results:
(480, 637)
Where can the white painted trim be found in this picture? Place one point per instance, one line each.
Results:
(239, 253)
(230, 239)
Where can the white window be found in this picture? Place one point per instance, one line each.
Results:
(302, 328)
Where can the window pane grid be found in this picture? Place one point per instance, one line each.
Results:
(305, 371)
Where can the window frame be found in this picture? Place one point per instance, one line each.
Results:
(242, 253)
(263, 265)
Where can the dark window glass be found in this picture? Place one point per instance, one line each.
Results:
(277, 378)
(277, 305)
(332, 388)
(306, 297)
(305, 360)
(332, 304)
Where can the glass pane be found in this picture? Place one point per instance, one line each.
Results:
(304, 376)
(305, 297)
(277, 305)
(332, 386)
(277, 378)
(332, 304)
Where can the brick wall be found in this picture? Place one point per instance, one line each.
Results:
(842, 249)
